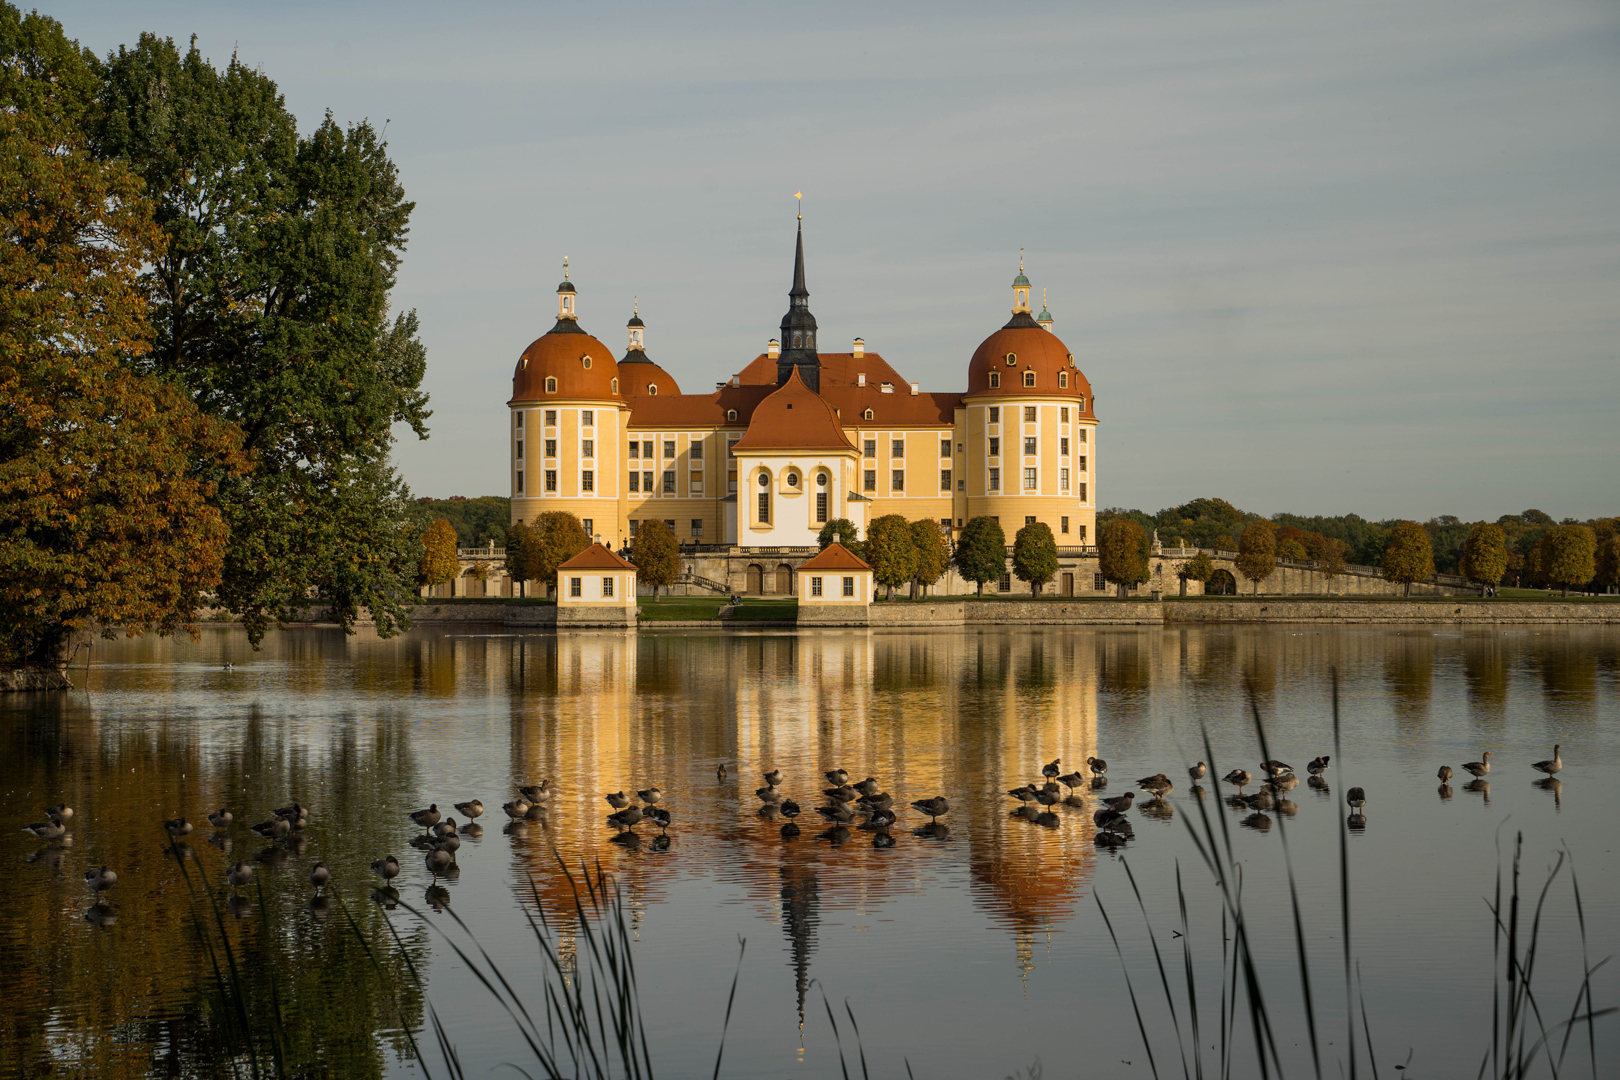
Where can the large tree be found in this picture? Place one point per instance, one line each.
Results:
(1035, 558)
(1567, 556)
(1409, 556)
(1198, 568)
(932, 555)
(981, 551)
(890, 551)
(1607, 563)
(842, 530)
(1484, 554)
(1257, 553)
(440, 561)
(557, 537)
(522, 555)
(1122, 554)
(106, 475)
(657, 555)
(270, 307)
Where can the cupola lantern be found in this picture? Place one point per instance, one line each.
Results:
(565, 296)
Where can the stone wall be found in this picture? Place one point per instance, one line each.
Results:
(34, 678)
(1488, 613)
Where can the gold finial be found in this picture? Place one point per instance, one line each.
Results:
(800, 196)
(565, 267)
(635, 304)
(1043, 297)
(1020, 260)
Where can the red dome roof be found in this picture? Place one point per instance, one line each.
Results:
(562, 354)
(643, 378)
(1031, 348)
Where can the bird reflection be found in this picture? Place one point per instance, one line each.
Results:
(661, 842)
(1198, 792)
(1357, 822)
(1257, 821)
(1047, 818)
(1445, 791)
(835, 835)
(239, 905)
(437, 897)
(1554, 785)
(320, 906)
(516, 827)
(1157, 809)
(100, 915)
(790, 830)
(630, 840)
(883, 840)
(1109, 840)
(221, 840)
(1319, 784)
(52, 857)
(274, 857)
(934, 830)
(1286, 807)
(387, 896)
(1479, 787)
(472, 832)
(179, 849)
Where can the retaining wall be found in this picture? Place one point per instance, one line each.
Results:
(1386, 612)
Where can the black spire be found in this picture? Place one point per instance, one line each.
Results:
(799, 328)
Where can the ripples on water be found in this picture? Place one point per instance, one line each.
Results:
(970, 951)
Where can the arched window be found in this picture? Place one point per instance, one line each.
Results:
(798, 340)
(551, 384)
(1029, 378)
(821, 479)
(867, 415)
(809, 339)
(1082, 403)
(764, 478)
(793, 479)
(731, 414)
(1063, 380)
(995, 379)
(1012, 359)
(652, 389)
(615, 386)
(586, 361)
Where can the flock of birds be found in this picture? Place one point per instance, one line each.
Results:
(862, 804)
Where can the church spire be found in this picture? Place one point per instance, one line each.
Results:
(799, 327)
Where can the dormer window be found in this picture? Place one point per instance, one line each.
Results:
(867, 415)
(615, 386)
(652, 389)
(731, 414)
(1012, 359)
(586, 360)
(551, 384)
(1082, 403)
(1029, 378)
(995, 379)
(1063, 380)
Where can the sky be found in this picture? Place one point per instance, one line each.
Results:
(1312, 257)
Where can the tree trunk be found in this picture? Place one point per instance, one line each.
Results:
(981, 590)
(1183, 586)
(1408, 588)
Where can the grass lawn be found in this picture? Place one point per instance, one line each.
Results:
(704, 607)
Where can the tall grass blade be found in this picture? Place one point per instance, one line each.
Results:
(1164, 980)
(742, 947)
(860, 1046)
(834, 1022)
(1147, 1043)
(1344, 882)
(1192, 985)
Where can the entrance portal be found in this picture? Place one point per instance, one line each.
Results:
(1221, 583)
(784, 579)
(756, 579)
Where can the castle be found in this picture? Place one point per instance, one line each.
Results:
(800, 437)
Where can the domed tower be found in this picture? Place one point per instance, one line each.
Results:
(567, 419)
(1031, 429)
(645, 377)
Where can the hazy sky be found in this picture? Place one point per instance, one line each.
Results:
(1318, 257)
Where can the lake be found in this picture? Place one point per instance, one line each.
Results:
(978, 949)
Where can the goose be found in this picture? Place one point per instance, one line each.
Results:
(772, 778)
(720, 771)
(935, 808)
(881, 801)
(220, 818)
(1107, 818)
(177, 827)
(651, 795)
(790, 809)
(46, 829)
(1121, 803)
(845, 794)
(1097, 766)
(1275, 768)
(1479, 768)
(1318, 765)
(1550, 767)
(1025, 794)
(517, 808)
(790, 830)
(627, 818)
(617, 799)
(836, 777)
(274, 829)
(438, 861)
(1444, 774)
(450, 842)
(880, 819)
(768, 794)
(447, 827)
(100, 880)
(319, 875)
(427, 817)
(869, 786)
(536, 793)
(239, 875)
(1239, 777)
(60, 812)
(472, 808)
(1048, 798)
(1158, 784)
(1198, 772)
(1356, 797)
(386, 867)
(1071, 780)
(838, 812)
(1050, 770)
(293, 813)
(1260, 800)
(659, 817)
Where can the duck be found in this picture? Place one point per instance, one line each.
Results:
(1550, 767)
(536, 793)
(837, 777)
(1071, 780)
(438, 861)
(1158, 784)
(220, 818)
(319, 875)
(617, 799)
(1479, 768)
(720, 772)
(472, 808)
(659, 817)
(517, 808)
(1025, 794)
(1198, 771)
(1317, 765)
(1121, 803)
(100, 880)
(1285, 782)
(274, 829)
(845, 794)
(239, 875)
(880, 819)
(1048, 798)
(1098, 766)
(1239, 777)
(177, 827)
(869, 786)
(628, 818)
(1050, 770)
(1108, 818)
(1356, 797)
(790, 809)
(447, 827)
(46, 830)
(772, 778)
(1444, 774)
(651, 795)
(297, 815)
(1260, 800)
(386, 867)
(1275, 768)
(881, 801)
(60, 812)
(427, 817)
(935, 808)
(838, 812)
(450, 842)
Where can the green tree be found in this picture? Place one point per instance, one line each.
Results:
(1035, 557)
(1257, 553)
(1568, 556)
(106, 475)
(981, 551)
(890, 551)
(440, 562)
(1198, 568)
(558, 537)
(932, 555)
(1292, 549)
(1484, 554)
(478, 521)
(522, 556)
(270, 307)
(1607, 563)
(657, 555)
(1328, 553)
(842, 530)
(1122, 554)
(1408, 557)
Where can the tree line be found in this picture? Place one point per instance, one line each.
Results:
(199, 369)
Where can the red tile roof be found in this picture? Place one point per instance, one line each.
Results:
(596, 557)
(794, 418)
(835, 556)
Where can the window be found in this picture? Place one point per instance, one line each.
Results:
(1063, 414)
(551, 479)
(646, 450)
(944, 448)
(1005, 584)
(869, 480)
(961, 485)
(517, 419)
(867, 415)
(697, 528)
(1012, 359)
(1029, 447)
(815, 586)
(652, 389)
(764, 506)
(589, 525)
(764, 479)
(1063, 479)
(1029, 414)
(669, 481)
(695, 450)
(897, 448)
(1097, 582)
(1029, 480)
(669, 523)
(945, 526)
(1082, 463)
(551, 384)
(1029, 520)
(1063, 526)
(995, 414)
(607, 587)
(897, 480)
(821, 506)
(695, 483)
(1029, 378)
(587, 480)
(995, 447)
(849, 586)
(1082, 493)
(995, 380)
(634, 525)
(870, 449)
(821, 479)
(635, 449)
(586, 362)
(646, 482)
(995, 479)
(1082, 530)
(587, 447)
(1063, 447)
(520, 482)
(669, 448)
(551, 417)
(573, 586)
(731, 414)
(1081, 403)
(551, 448)
(793, 479)
(1063, 380)
(587, 417)
(614, 387)
(944, 479)
(635, 481)
(520, 449)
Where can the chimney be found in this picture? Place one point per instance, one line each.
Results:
(860, 380)
(773, 348)
(736, 380)
(913, 389)
(860, 348)
(720, 386)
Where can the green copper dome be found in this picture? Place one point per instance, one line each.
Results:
(1020, 282)
(1044, 316)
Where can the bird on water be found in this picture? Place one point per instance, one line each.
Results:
(1098, 766)
(472, 808)
(617, 799)
(1317, 765)
(1198, 771)
(220, 818)
(1479, 768)
(935, 808)
(386, 867)
(319, 875)
(177, 827)
(427, 817)
(1356, 797)
(1050, 770)
(239, 875)
(1444, 774)
(60, 812)
(1240, 777)
(100, 880)
(1550, 767)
